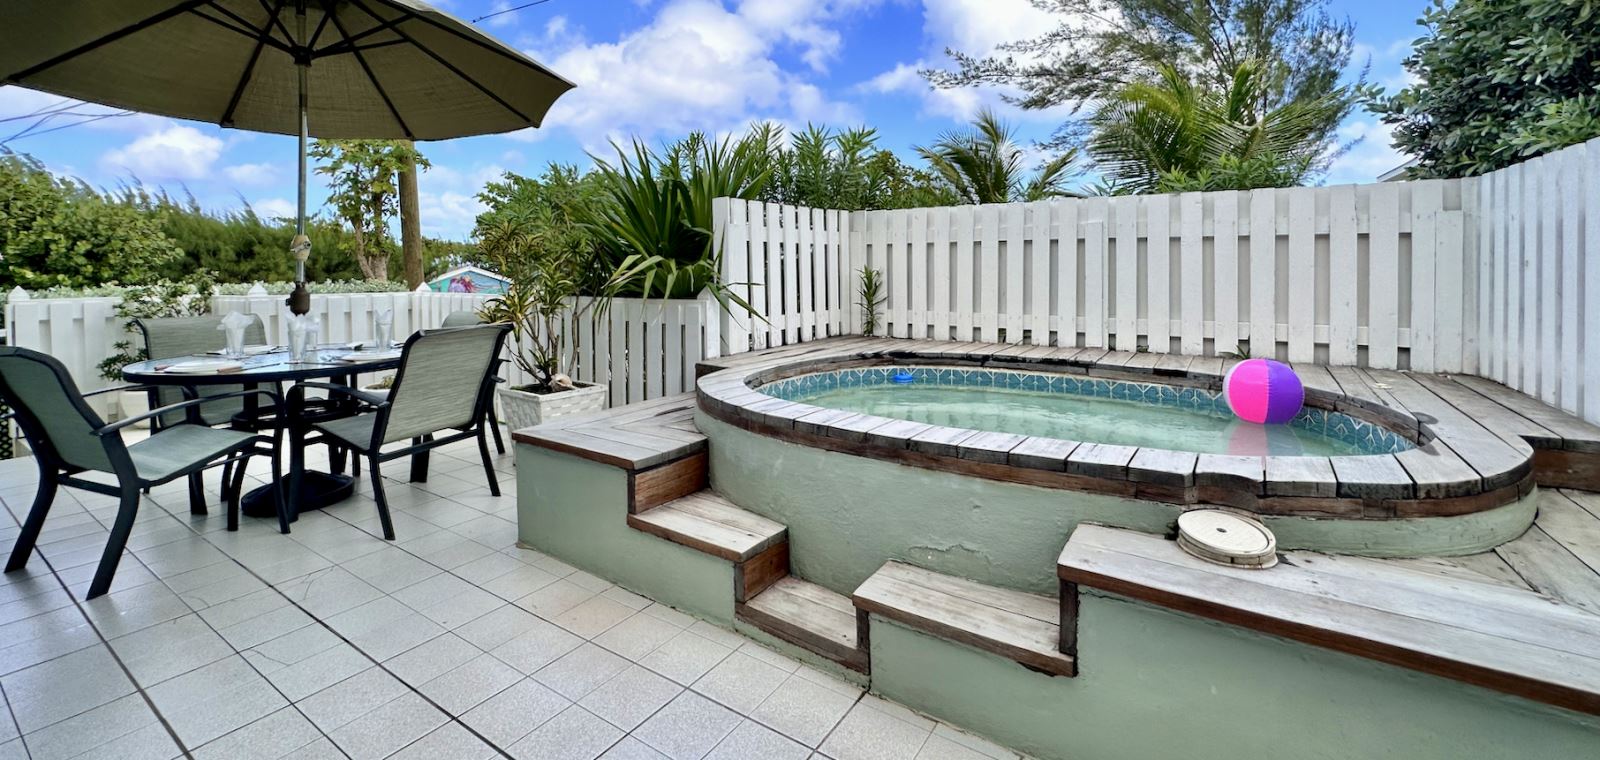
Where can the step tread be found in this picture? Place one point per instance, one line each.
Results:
(808, 616)
(1020, 626)
(709, 523)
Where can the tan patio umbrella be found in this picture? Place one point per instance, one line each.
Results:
(313, 68)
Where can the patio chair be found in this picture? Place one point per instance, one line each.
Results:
(173, 337)
(469, 319)
(442, 385)
(68, 439)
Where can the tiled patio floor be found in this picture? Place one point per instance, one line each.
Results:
(448, 643)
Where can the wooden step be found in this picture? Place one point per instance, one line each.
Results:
(709, 523)
(1501, 638)
(812, 618)
(1015, 625)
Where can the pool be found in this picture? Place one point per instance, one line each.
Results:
(1082, 409)
(981, 465)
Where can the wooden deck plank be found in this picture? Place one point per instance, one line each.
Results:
(1571, 526)
(1575, 433)
(808, 616)
(1018, 626)
(1535, 656)
(1550, 569)
(1498, 462)
(708, 523)
(1509, 425)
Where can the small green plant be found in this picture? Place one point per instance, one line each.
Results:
(189, 297)
(872, 299)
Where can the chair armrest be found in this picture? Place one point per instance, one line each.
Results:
(120, 424)
(297, 393)
(121, 388)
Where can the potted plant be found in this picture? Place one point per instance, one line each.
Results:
(551, 266)
(189, 297)
(380, 387)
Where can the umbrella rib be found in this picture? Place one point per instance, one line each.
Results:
(249, 31)
(249, 68)
(361, 59)
(103, 40)
(321, 25)
(272, 20)
(442, 62)
(348, 43)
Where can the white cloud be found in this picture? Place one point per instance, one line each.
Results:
(273, 208)
(507, 16)
(174, 153)
(1372, 155)
(698, 65)
(252, 174)
(974, 27)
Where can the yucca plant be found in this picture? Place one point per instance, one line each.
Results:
(985, 164)
(653, 217)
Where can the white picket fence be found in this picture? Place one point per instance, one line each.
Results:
(640, 349)
(791, 265)
(1537, 309)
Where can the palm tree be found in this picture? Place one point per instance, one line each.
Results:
(1154, 135)
(985, 165)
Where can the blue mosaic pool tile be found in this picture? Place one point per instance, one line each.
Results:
(1336, 425)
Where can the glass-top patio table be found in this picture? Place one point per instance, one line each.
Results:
(339, 363)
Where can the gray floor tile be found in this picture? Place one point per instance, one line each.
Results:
(533, 649)
(86, 731)
(464, 687)
(450, 741)
(269, 738)
(632, 696)
(631, 749)
(580, 671)
(38, 639)
(351, 698)
(212, 701)
(328, 592)
(592, 617)
(515, 712)
(388, 728)
(431, 659)
(66, 686)
(498, 626)
(558, 597)
(686, 657)
(637, 636)
(740, 682)
(752, 740)
(321, 749)
(518, 583)
(390, 569)
(688, 727)
(122, 612)
(312, 674)
(803, 710)
(869, 734)
(575, 734)
(946, 733)
(170, 649)
(940, 748)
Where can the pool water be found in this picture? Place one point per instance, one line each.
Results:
(1083, 409)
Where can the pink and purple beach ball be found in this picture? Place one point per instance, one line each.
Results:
(1263, 391)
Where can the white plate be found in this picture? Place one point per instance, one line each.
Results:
(367, 356)
(204, 366)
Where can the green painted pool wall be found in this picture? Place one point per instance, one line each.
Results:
(848, 514)
(576, 510)
(1160, 684)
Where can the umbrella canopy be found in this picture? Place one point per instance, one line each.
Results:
(376, 68)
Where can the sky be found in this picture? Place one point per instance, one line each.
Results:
(658, 69)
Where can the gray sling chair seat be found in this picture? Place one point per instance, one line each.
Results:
(68, 438)
(442, 385)
(469, 319)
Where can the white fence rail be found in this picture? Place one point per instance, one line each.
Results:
(640, 349)
(791, 265)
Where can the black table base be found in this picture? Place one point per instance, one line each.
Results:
(317, 490)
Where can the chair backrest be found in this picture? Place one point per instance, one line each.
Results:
(51, 411)
(442, 380)
(461, 319)
(171, 337)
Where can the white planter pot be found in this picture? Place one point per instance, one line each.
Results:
(133, 404)
(382, 393)
(521, 409)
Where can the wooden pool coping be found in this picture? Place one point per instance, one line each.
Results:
(1459, 466)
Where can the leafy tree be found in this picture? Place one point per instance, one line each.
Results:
(57, 232)
(1173, 133)
(1100, 46)
(1498, 81)
(365, 193)
(985, 165)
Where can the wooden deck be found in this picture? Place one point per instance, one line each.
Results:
(633, 437)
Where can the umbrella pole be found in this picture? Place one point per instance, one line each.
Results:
(300, 299)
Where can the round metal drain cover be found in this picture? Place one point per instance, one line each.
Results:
(1227, 538)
